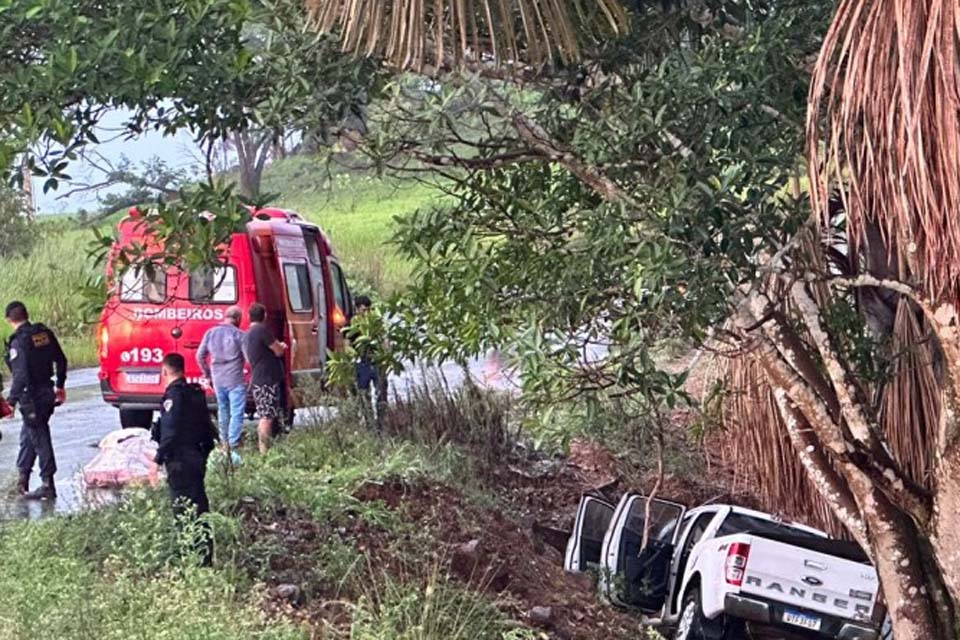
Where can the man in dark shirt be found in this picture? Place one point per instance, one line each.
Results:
(186, 436)
(32, 354)
(265, 355)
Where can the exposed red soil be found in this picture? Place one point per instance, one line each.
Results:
(509, 550)
(489, 550)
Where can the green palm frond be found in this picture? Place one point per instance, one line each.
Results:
(424, 34)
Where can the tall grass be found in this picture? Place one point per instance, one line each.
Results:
(111, 575)
(50, 282)
(428, 609)
(124, 571)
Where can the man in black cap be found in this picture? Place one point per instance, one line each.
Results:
(32, 353)
(186, 436)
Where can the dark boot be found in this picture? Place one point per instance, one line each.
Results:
(46, 491)
(22, 486)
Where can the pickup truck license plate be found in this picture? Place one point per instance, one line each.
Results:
(802, 620)
(141, 378)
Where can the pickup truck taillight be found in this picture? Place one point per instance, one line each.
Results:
(736, 564)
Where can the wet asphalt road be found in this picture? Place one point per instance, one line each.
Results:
(78, 426)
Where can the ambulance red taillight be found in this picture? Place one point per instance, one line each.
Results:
(104, 341)
(339, 319)
(736, 564)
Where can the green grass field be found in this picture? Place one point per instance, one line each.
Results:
(290, 516)
(356, 211)
(50, 282)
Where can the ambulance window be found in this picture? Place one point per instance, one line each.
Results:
(298, 286)
(216, 285)
(313, 249)
(136, 286)
(339, 289)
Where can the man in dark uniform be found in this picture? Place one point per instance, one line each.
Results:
(186, 435)
(32, 353)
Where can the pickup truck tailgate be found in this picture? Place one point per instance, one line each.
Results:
(808, 579)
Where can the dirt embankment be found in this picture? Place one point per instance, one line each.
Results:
(508, 547)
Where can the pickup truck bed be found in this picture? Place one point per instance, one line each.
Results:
(812, 581)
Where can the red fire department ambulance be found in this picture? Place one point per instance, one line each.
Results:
(281, 261)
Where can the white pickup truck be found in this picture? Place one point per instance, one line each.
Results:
(716, 571)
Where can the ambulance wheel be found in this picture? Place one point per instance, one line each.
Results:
(134, 418)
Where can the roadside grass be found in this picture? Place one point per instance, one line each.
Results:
(109, 575)
(356, 210)
(437, 609)
(125, 571)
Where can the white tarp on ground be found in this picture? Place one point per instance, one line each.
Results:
(125, 458)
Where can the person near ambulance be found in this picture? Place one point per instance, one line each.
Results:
(265, 353)
(34, 357)
(371, 383)
(221, 359)
(186, 436)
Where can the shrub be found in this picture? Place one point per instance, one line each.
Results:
(428, 610)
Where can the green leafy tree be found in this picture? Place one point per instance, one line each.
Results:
(653, 194)
(212, 67)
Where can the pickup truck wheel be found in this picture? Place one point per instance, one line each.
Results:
(690, 625)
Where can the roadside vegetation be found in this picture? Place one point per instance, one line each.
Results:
(422, 533)
(648, 190)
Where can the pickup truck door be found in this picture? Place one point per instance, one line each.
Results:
(634, 575)
(586, 540)
(689, 532)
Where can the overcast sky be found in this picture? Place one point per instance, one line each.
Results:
(177, 151)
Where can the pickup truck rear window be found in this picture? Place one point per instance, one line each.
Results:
(740, 523)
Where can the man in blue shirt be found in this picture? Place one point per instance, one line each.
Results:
(220, 356)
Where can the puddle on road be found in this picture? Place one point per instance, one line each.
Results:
(72, 497)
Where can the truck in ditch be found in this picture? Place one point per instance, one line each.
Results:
(724, 572)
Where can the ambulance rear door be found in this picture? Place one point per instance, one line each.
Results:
(318, 286)
(293, 259)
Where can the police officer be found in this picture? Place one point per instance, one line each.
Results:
(32, 353)
(186, 435)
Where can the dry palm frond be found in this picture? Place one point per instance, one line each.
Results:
(910, 404)
(756, 447)
(884, 130)
(417, 34)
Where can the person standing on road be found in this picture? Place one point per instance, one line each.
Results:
(371, 384)
(265, 355)
(186, 436)
(221, 359)
(32, 354)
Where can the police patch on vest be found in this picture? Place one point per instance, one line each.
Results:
(41, 339)
(167, 405)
